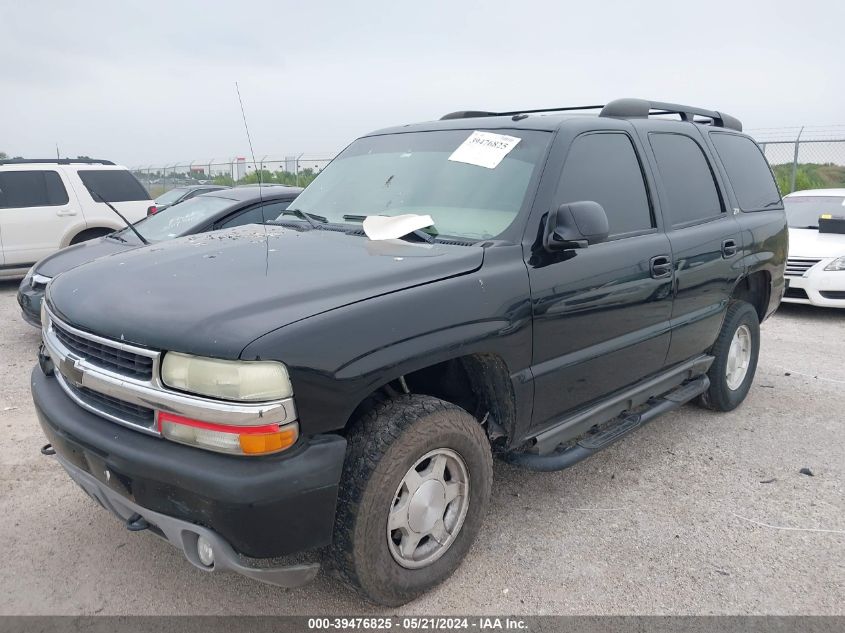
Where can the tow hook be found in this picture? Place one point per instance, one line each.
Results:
(48, 450)
(136, 523)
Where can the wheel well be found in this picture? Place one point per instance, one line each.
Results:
(90, 234)
(478, 383)
(754, 289)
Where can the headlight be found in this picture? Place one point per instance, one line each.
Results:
(226, 379)
(836, 264)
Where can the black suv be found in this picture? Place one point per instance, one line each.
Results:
(267, 399)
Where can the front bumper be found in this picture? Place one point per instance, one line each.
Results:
(185, 535)
(818, 287)
(29, 299)
(255, 507)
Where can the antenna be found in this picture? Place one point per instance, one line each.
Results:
(260, 184)
(249, 139)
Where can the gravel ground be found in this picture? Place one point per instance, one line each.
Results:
(697, 513)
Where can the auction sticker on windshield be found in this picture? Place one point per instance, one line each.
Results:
(484, 149)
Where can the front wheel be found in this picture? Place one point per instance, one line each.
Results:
(415, 488)
(736, 352)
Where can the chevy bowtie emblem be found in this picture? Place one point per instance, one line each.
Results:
(71, 372)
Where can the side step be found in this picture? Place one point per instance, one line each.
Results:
(592, 443)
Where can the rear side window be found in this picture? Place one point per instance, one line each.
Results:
(603, 168)
(748, 172)
(41, 188)
(687, 178)
(114, 185)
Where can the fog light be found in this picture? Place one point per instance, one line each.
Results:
(205, 552)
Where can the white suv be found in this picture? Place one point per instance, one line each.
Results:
(46, 205)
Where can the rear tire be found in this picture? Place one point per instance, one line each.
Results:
(736, 351)
(410, 439)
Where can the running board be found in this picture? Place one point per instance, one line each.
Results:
(592, 443)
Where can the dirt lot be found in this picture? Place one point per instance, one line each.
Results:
(698, 513)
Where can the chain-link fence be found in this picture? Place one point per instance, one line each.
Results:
(811, 157)
(236, 171)
(801, 158)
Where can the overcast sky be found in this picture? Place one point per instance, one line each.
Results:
(153, 82)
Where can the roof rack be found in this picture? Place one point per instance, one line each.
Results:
(623, 109)
(472, 114)
(57, 161)
(642, 109)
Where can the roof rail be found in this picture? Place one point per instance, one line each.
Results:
(642, 109)
(57, 161)
(621, 109)
(472, 114)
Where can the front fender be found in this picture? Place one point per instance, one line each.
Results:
(338, 358)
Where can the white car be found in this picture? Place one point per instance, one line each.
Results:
(815, 267)
(47, 204)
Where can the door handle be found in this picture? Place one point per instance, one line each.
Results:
(66, 212)
(660, 266)
(728, 248)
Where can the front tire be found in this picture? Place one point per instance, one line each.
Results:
(736, 352)
(414, 492)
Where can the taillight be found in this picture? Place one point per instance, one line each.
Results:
(152, 210)
(227, 438)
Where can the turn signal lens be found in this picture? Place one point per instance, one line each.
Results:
(226, 438)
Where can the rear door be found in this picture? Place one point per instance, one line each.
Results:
(704, 234)
(601, 313)
(36, 210)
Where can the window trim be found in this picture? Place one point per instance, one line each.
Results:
(612, 237)
(703, 220)
(728, 175)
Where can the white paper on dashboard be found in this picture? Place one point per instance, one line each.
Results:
(484, 149)
(383, 227)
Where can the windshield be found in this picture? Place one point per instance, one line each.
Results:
(171, 196)
(181, 218)
(397, 174)
(804, 211)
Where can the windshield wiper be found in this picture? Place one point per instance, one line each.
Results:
(121, 216)
(311, 218)
(116, 236)
(426, 237)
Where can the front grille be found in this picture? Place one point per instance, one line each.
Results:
(131, 413)
(797, 266)
(105, 356)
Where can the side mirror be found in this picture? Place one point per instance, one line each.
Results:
(575, 225)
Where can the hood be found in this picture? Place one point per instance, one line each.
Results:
(811, 243)
(214, 293)
(79, 254)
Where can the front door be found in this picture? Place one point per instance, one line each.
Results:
(601, 313)
(35, 212)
